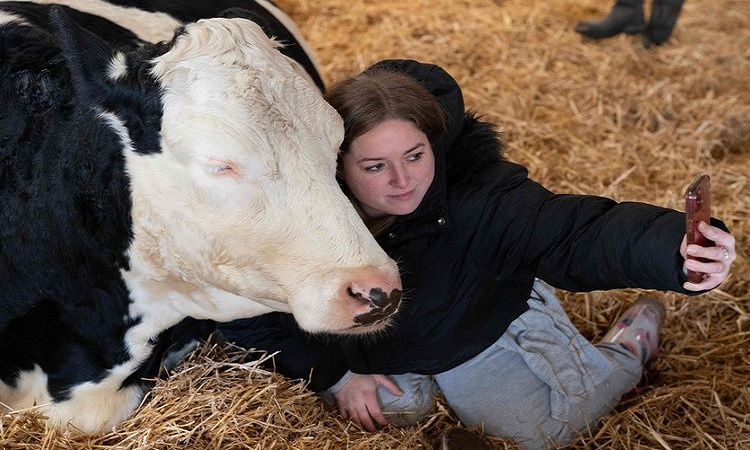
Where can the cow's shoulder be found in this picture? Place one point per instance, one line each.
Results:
(63, 184)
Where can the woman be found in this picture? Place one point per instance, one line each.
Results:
(473, 235)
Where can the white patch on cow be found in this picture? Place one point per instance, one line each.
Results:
(90, 407)
(149, 26)
(6, 18)
(118, 67)
(30, 390)
(94, 407)
(240, 212)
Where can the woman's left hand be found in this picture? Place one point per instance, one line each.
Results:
(717, 260)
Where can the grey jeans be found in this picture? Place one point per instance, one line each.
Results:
(542, 383)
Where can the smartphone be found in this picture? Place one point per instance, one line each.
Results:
(697, 209)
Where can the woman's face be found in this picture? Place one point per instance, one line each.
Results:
(389, 168)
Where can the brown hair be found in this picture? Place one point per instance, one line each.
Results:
(379, 94)
(374, 96)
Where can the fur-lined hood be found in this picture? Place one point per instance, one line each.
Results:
(467, 146)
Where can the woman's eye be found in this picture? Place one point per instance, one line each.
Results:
(375, 168)
(415, 156)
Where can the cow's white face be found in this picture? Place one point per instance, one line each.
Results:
(240, 213)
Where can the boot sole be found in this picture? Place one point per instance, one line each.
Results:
(629, 30)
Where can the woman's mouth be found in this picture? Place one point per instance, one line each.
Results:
(403, 197)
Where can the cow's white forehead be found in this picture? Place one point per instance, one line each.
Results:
(227, 88)
(235, 43)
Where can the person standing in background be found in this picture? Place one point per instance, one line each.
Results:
(627, 17)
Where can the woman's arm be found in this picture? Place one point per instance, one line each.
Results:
(584, 243)
(299, 355)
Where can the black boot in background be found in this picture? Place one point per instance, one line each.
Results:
(626, 17)
(664, 16)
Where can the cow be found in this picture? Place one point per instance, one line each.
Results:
(148, 186)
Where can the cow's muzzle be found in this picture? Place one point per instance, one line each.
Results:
(382, 305)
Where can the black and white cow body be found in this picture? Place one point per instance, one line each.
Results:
(148, 187)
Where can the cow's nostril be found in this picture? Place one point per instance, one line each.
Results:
(395, 297)
(378, 297)
(357, 295)
(383, 306)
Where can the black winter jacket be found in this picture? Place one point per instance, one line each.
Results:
(469, 255)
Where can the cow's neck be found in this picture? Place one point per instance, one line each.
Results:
(160, 303)
(164, 277)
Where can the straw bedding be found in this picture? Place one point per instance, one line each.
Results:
(607, 117)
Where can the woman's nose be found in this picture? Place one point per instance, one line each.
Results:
(400, 178)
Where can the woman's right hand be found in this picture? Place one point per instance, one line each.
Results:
(358, 400)
(717, 259)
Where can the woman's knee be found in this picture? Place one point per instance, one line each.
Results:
(416, 403)
(536, 428)
(525, 415)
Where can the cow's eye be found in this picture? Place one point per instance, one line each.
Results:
(221, 169)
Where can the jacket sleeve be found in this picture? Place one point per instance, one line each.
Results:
(603, 244)
(299, 355)
(586, 242)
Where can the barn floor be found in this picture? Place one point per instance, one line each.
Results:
(601, 117)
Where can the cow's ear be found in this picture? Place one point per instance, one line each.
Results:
(87, 56)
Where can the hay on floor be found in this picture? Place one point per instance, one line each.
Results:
(601, 117)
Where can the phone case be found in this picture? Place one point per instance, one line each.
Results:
(697, 209)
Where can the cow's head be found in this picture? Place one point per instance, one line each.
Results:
(231, 155)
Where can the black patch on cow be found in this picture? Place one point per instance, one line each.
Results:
(72, 344)
(64, 229)
(65, 222)
(135, 98)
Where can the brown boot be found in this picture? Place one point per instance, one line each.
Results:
(637, 329)
(462, 439)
